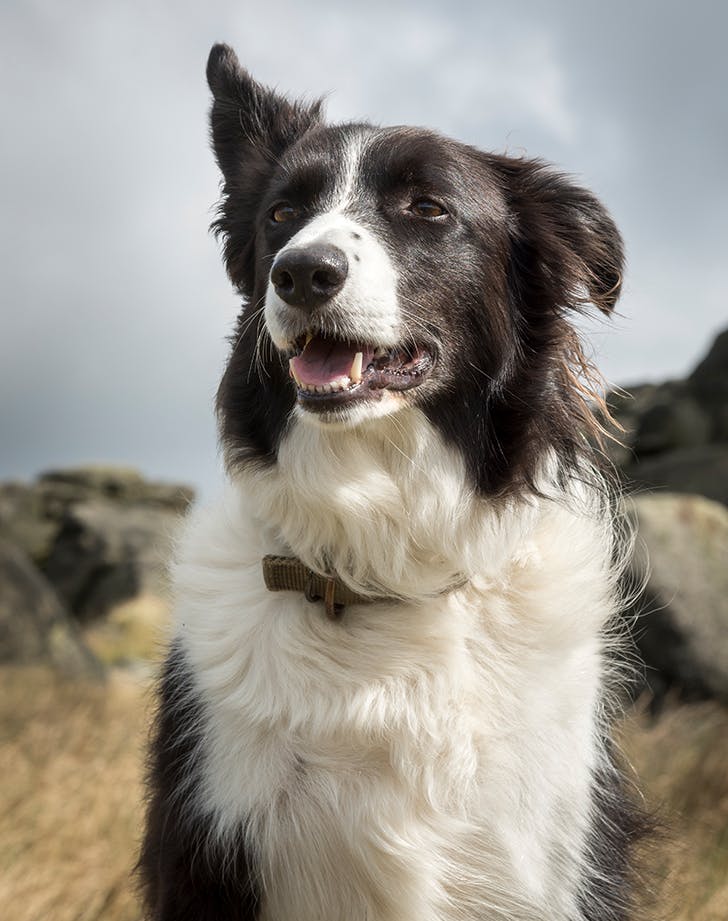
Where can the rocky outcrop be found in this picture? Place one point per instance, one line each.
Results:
(676, 433)
(682, 628)
(34, 625)
(708, 384)
(104, 554)
(698, 470)
(674, 462)
(122, 485)
(32, 514)
(24, 520)
(100, 538)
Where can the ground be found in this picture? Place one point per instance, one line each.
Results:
(71, 762)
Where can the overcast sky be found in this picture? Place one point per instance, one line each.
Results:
(115, 307)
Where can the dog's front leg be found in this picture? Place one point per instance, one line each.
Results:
(186, 874)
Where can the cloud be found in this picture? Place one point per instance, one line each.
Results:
(115, 306)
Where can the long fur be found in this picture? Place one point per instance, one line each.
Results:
(444, 757)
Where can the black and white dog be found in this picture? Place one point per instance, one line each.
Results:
(415, 728)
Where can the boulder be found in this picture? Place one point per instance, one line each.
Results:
(107, 553)
(675, 434)
(101, 537)
(630, 403)
(23, 521)
(709, 385)
(699, 470)
(667, 425)
(123, 485)
(32, 514)
(34, 625)
(682, 628)
(628, 406)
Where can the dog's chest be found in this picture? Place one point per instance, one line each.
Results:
(359, 772)
(406, 762)
(374, 771)
(373, 700)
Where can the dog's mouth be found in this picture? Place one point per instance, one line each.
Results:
(328, 371)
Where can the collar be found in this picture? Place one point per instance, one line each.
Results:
(289, 574)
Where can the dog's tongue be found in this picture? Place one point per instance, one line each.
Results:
(326, 360)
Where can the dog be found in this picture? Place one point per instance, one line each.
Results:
(390, 689)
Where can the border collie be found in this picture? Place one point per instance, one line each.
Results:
(386, 697)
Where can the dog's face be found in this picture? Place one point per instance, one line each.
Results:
(391, 268)
(369, 244)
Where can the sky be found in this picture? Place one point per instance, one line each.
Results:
(115, 309)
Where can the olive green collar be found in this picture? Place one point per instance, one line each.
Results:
(289, 574)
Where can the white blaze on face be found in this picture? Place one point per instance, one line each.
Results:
(366, 308)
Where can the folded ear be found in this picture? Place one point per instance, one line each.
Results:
(247, 117)
(252, 126)
(566, 248)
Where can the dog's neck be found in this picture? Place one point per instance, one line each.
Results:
(386, 506)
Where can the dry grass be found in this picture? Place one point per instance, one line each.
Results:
(132, 633)
(682, 760)
(70, 762)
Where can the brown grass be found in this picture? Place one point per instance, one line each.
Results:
(70, 763)
(682, 762)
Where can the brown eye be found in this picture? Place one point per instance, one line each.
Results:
(425, 207)
(284, 212)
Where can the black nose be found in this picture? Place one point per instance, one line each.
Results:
(306, 276)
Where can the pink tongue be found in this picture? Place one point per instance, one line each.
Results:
(326, 360)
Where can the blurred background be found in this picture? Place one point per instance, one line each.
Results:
(115, 306)
(115, 313)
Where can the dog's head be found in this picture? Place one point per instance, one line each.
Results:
(390, 268)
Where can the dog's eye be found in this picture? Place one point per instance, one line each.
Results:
(284, 212)
(426, 207)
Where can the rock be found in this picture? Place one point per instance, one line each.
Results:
(106, 553)
(101, 536)
(670, 424)
(709, 385)
(628, 406)
(121, 484)
(699, 470)
(31, 515)
(23, 521)
(676, 433)
(682, 632)
(34, 626)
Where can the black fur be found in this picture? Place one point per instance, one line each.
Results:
(185, 874)
(608, 890)
(491, 287)
(489, 290)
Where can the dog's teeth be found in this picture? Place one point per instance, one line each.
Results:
(339, 383)
(309, 337)
(292, 372)
(355, 373)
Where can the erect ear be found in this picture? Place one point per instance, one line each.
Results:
(252, 126)
(567, 248)
(247, 118)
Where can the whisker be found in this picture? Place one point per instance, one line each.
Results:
(259, 359)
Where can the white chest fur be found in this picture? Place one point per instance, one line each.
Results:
(425, 760)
